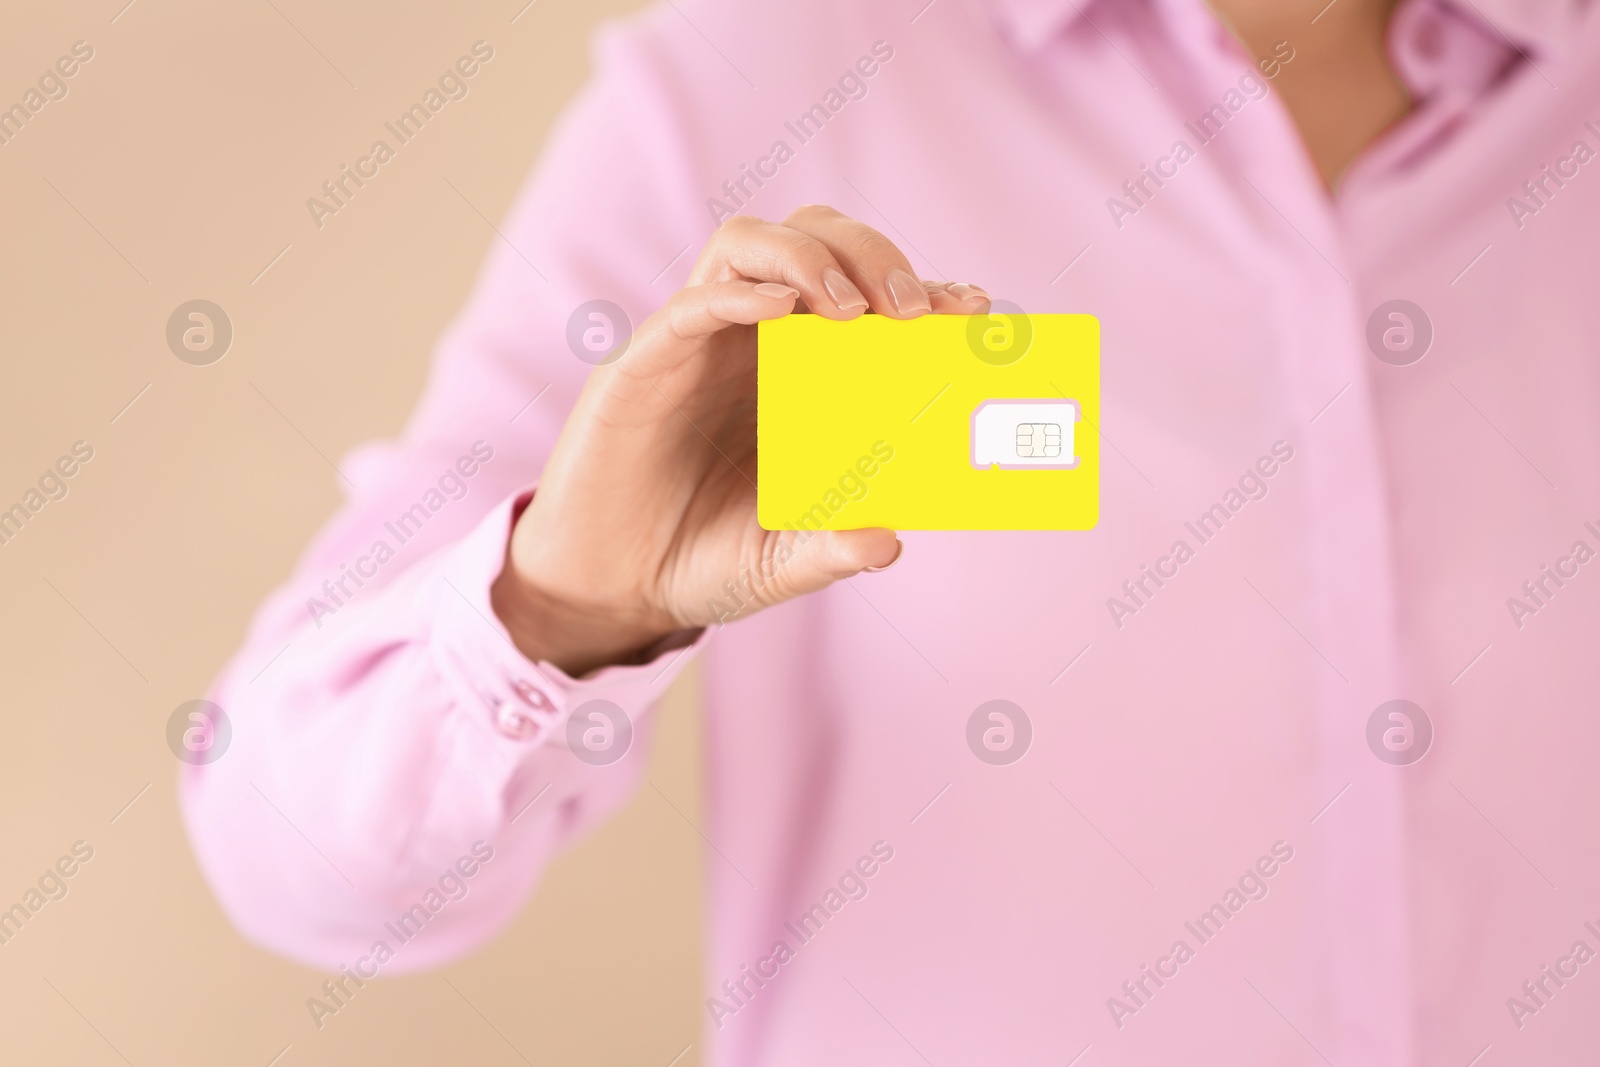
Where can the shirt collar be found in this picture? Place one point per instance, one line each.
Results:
(1033, 22)
(1542, 26)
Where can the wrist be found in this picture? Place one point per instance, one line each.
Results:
(576, 637)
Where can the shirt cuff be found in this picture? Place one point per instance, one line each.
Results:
(522, 700)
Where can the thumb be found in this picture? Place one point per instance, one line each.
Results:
(793, 563)
(837, 554)
(806, 561)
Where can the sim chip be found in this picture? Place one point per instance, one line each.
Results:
(1024, 434)
(1038, 440)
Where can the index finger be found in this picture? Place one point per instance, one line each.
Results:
(877, 266)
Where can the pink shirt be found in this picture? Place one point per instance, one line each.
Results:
(1358, 526)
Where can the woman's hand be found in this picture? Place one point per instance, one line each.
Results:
(647, 505)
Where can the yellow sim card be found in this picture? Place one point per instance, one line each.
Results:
(945, 422)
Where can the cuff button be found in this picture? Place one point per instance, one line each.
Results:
(515, 722)
(531, 696)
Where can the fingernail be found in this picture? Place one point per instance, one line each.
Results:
(968, 292)
(899, 547)
(842, 290)
(909, 297)
(779, 292)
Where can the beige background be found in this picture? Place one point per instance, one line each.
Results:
(178, 167)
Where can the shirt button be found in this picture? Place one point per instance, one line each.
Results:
(515, 723)
(534, 699)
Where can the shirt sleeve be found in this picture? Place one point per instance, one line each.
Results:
(394, 774)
